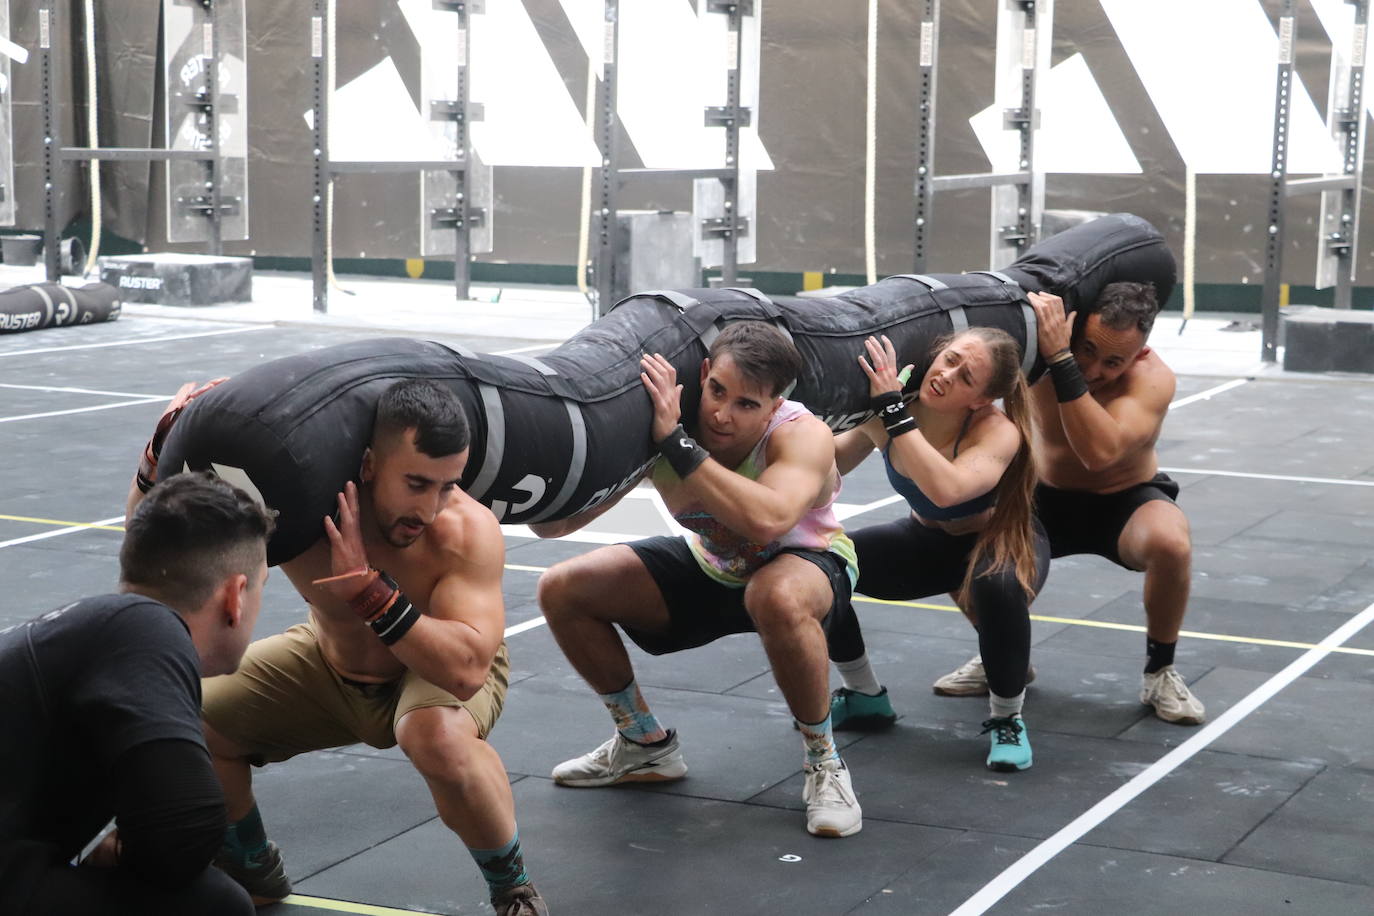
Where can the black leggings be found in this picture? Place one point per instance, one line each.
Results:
(905, 560)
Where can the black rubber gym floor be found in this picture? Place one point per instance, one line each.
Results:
(1266, 809)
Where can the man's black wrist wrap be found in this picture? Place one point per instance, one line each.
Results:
(889, 408)
(683, 452)
(400, 615)
(1069, 384)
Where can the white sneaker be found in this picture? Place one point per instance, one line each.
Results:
(831, 808)
(970, 680)
(1168, 693)
(622, 760)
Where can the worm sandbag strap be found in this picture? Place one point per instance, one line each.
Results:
(1031, 348)
(958, 318)
(577, 460)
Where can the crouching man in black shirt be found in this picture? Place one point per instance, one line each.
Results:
(100, 712)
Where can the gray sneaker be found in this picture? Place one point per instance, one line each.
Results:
(521, 900)
(622, 760)
(970, 680)
(263, 876)
(1168, 693)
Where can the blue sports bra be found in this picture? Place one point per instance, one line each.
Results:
(921, 504)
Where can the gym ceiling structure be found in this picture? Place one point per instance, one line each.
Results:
(247, 181)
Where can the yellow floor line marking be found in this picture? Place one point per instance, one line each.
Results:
(348, 906)
(1134, 628)
(53, 521)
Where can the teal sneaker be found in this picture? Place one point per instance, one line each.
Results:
(1011, 750)
(858, 712)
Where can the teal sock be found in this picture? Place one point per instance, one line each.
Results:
(246, 839)
(819, 741)
(503, 868)
(632, 716)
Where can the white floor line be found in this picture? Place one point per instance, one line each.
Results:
(1028, 864)
(523, 626)
(849, 510)
(1335, 480)
(1204, 395)
(105, 394)
(136, 340)
(153, 399)
(60, 531)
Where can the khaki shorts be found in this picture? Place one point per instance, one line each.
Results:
(285, 700)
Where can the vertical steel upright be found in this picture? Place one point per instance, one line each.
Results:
(214, 166)
(1338, 227)
(607, 135)
(319, 25)
(47, 28)
(462, 243)
(735, 10)
(1278, 182)
(925, 127)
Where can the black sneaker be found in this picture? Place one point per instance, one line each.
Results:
(263, 876)
(521, 900)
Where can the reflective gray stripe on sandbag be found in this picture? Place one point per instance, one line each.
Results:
(1032, 339)
(535, 363)
(958, 319)
(927, 282)
(47, 302)
(1032, 347)
(757, 296)
(681, 301)
(997, 275)
(576, 464)
(496, 440)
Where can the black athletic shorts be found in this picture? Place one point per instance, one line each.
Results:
(702, 610)
(1081, 522)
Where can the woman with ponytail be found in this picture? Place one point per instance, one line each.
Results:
(964, 466)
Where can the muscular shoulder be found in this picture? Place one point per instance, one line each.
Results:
(1149, 379)
(805, 438)
(467, 532)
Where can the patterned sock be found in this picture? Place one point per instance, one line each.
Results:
(858, 675)
(1005, 707)
(1158, 655)
(632, 716)
(503, 868)
(246, 839)
(819, 742)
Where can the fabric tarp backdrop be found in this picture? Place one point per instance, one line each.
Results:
(810, 206)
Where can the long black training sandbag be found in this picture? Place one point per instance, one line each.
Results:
(555, 435)
(43, 305)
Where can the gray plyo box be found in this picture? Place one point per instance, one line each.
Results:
(653, 250)
(179, 279)
(1329, 340)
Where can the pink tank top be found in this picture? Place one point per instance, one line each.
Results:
(729, 557)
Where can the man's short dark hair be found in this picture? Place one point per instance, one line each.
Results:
(433, 411)
(1122, 306)
(190, 533)
(762, 353)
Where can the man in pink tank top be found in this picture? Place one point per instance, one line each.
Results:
(753, 482)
